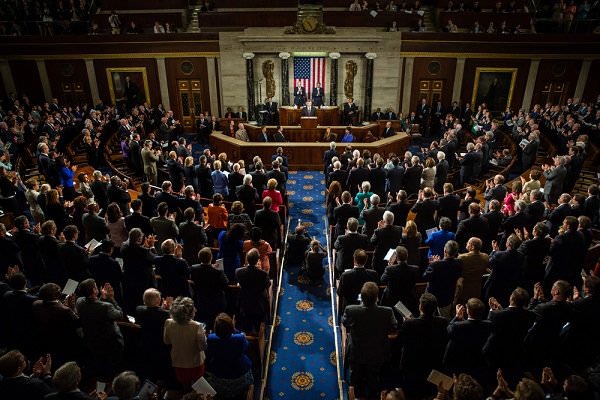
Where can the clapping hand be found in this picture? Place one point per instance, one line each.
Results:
(538, 291)
(150, 240)
(460, 312)
(494, 305)
(434, 258)
(167, 302)
(519, 234)
(43, 366)
(548, 378)
(107, 292)
(70, 301)
(495, 245)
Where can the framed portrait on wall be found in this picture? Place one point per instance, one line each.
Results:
(494, 86)
(128, 86)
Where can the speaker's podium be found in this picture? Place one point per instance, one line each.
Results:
(308, 122)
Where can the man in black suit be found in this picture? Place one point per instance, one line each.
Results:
(167, 196)
(270, 223)
(343, 212)
(506, 270)
(368, 347)
(74, 257)
(241, 113)
(387, 236)
(349, 112)
(468, 164)
(277, 174)
(209, 287)
(56, 326)
(400, 279)
(263, 136)
(246, 193)
(154, 354)
(173, 270)
(356, 176)
(388, 131)
(394, 177)
(272, 112)
(278, 136)
(441, 277)
(505, 346)
(494, 189)
(254, 299)
(299, 95)
(259, 179)
(494, 217)
(474, 226)
(203, 129)
(372, 215)
(448, 205)
(558, 215)
(423, 344)
(328, 156)
(352, 281)
(94, 226)
(16, 385)
(136, 219)
(567, 253)
(422, 114)
(135, 155)
(425, 208)
(377, 178)
(48, 245)
(391, 115)
(99, 188)
(592, 204)
(377, 115)
(529, 152)
(535, 210)
(338, 174)
(17, 330)
(518, 220)
(309, 110)
(534, 251)
(412, 176)
(467, 337)
(105, 269)
(441, 172)
(193, 236)
(27, 240)
(318, 95)
(346, 244)
(117, 193)
(138, 274)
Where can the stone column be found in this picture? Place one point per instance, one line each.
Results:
(211, 67)
(91, 73)
(285, 79)
(408, 75)
(7, 77)
(369, 85)
(44, 79)
(250, 85)
(583, 77)
(458, 79)
(531, 78)
(334, 79)
(162, 82)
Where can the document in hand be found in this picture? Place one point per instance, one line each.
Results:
(437, 378)
(401, 308)
(92, 245)
(201, 386)
(219, 264)
(147, 390)
(70, 287)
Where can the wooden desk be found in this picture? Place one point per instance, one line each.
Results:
(308, 122)
(328, 115)
(298, 134)
(301, 155)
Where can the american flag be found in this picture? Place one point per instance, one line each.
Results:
(309, 71)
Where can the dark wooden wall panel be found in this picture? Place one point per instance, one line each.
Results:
(2, 89)
(592, 87)
(27, 79)
(520, 81)
(566, 71)
(446, 73)
(151, 71)
(199, 72)
(62, 72)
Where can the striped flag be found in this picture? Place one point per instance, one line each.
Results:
(309, 71)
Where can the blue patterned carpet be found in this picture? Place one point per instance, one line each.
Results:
(303, 357)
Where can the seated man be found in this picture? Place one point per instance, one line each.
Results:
(368, 346)
(16, 385)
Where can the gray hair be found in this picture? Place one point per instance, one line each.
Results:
(182, 310)
(520, 205)
(441, 155)
(352, 224)
(451, 248)
(97, 174)
(366, 186)
(388, 217)
(126, 384)
(375, 199)
(337, 165)
(247, 179)
(414, 160)
(67, 377)
(332, 145)
(470, 146)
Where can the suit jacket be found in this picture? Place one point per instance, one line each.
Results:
(254, 299)
(529, 154)
(535, 212)
(472, 227)
(466, 339)
(382, 241)
(368, 329)
(356, 176)
(259, 181)
(164, 228)
(422, 113)
(345, 245)
(194, 239)
(279, 176)
(505, 276)
(55, 270)
(17, 332)
(299, 96)
(567, 253)
(175, 273)
(309, 113)
(425, 210)
(247, 195)
(56, 329)
(412, 179)
(341, 214)
(269, 221)
(400, 280)
(371, 217)
(388, 132)
(557, 217)
(351, 282)
(152, 320)
(138, 273)
(505, 346)
(25, 388)
(592, 208)
(441, 175)
(518, 220)
(441, 277)
(94, 226)
(544, 339)
(448, 206)
(149, 160)
(424, 342)
(340, 176)
(99, 321)
(135, 155)
(534, 251)
(317, 96)
(555, 179)
(209, 290)
(100, 190)
(377, 180)
(394, 176)
(136, 220)
(105, 268)
(121, 197)
(33, 264)
(75, 259)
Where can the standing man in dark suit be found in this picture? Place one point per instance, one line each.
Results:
(192, 235)
(246, 193)
(422, 114)
(349, 112)
(529, 152)
(209, 287)
(272, 112)
(309, 110)
(441, 172)
(318, 95)
(467, 164)
(356, 176)
(74, 257)
(442, 276)
(17, 330)
(387, 236)
(346, 244)
(16, 385)
(368, 347)
(328, 156)
(343, 212)
(412, 176)
(377, 177)
(94, 226)
(135, 155)
(138, 273)
(505, 347)
(474, 226)
(567, 253)
(400, 279)
(534, 251)
(136, 219)
(263, 136)
(259, 179)
(518, 220)
(299, 95)
(506, 270)
(425, 208)
(394, 177)
(173, 269)
(352, 281)
(254, 299)
(555, 178)
(494, 189)
(558, 215)
(467, 336)
(536, 209)
(241, 113)
(448, 205)
(105, 269)
(423, 341)
(27, 240)
(270, 223)
(372, 215)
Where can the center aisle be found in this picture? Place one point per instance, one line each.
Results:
(303, 361)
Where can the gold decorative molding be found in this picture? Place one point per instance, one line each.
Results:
(501, 56)
(111, 56)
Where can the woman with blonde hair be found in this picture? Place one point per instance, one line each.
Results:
(274, 194)
(363, 198)
(428, 174)
(411, 239)
(32, 194)
(219, 179)
(187, 339)
(189, 172)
